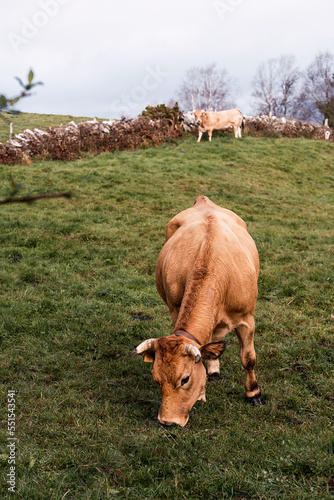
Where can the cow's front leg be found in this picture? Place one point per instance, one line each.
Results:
(200, 133)
(245, 332)
(210, 135)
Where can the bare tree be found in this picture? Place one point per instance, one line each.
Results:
(317, 92)
(327, 108)
(274, 86)
(288, 77)
(266, 88)
(206, 88)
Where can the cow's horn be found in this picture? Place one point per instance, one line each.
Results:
(193, 351)
(144, 346)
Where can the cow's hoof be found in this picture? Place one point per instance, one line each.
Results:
(214, 376)
(257, 400)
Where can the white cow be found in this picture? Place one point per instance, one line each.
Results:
(208, 121)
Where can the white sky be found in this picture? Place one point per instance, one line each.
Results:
(106, 58)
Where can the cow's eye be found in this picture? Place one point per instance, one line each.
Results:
(185, 380)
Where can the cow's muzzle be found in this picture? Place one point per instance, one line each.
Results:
(180, 420)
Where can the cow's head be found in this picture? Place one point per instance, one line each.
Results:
(198, 113)
(178, 369)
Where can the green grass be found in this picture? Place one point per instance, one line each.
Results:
(77, 274)
(24, 121)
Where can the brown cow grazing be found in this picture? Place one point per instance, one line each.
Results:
(207, 274)
(207, 121)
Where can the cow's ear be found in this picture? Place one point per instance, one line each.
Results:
(212, 351)
(146, 349)
(149, 356)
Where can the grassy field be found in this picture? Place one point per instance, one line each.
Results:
(78, 294)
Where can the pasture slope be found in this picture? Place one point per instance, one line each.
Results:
(78, 294)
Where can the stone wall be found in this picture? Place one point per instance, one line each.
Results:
(265, 126)
(275, 127)
(69, 142)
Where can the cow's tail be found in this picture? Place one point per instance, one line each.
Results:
(243, 124)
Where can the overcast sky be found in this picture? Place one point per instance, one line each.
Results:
(106, 58)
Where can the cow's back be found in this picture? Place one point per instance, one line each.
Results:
(208, 245)
(221, 119)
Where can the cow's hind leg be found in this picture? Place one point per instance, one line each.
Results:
(245, 332)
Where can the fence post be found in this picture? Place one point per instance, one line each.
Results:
(11, 130)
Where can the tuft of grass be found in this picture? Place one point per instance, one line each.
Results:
(78, 294)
